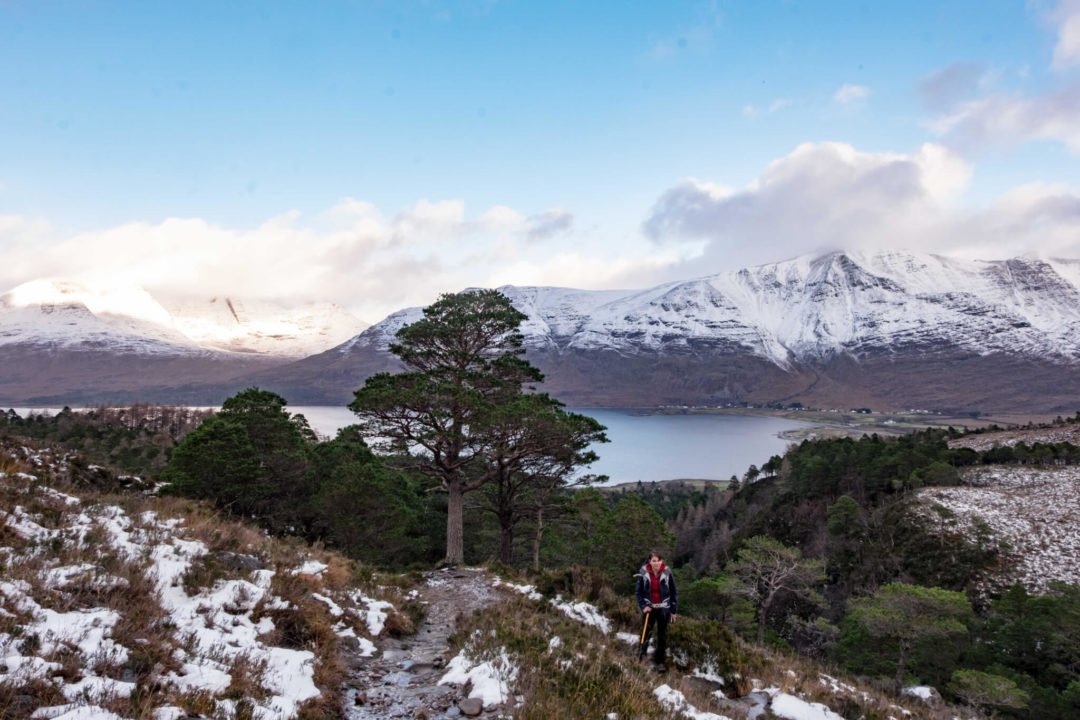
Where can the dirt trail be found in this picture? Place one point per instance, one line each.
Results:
(401, 680)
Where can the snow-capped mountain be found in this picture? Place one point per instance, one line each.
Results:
(263, 327)
(68, 314)
(810, 309)
(889, 330)
(886, 327)
(71, 316)
(66, 342)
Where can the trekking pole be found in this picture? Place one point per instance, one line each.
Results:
(641, 648)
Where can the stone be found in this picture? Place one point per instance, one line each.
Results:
(240, 562)
(927, 694)
(759, 703)
(20, 706)
(471, 707)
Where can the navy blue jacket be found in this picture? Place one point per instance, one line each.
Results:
(667, 589)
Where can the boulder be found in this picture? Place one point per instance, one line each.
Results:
(927, 694)
(471, 707)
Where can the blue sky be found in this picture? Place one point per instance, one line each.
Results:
(417, 147)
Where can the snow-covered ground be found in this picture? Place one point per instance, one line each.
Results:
(981, 442)
(809, 703)
(1036, 511)
(91, 595)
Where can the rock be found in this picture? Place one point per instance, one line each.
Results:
(471, 707)
(240, 562)
(759, 703)
(927, 694)
(20, 706)
(702, 685)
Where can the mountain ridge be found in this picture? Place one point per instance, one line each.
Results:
(888, 329)
(842, 329)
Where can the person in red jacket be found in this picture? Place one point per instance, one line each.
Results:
(658, 600)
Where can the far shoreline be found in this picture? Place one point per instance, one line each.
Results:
(820, 423)
(835, 423)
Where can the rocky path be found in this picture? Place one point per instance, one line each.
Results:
(401, 679)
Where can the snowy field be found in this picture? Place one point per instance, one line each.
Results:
(981, 442)
(91, 595)
(1035, 511)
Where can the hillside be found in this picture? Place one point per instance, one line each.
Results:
(131, 606)
(1033, 513)
(887, 330)
(64, 343)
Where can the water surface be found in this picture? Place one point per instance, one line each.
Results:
(650, 447)
(643, 446)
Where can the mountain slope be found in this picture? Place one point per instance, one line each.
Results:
(887, 329)
(64, 343)
(262, 327)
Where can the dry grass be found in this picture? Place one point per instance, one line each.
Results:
(589, 675)
(555, 681)
(74, 564)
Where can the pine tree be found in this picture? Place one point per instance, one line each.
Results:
(910, 614)
(463, 361)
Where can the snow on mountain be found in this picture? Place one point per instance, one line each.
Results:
(263, 327)
(129, 319)
(71, 316)
(813, 308)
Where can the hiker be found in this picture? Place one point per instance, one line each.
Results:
(659, 603)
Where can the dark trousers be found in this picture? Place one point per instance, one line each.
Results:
(658, 620)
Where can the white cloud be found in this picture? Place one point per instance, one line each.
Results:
(501, 218)
(353, 254)
(779, 104)
(549, 224)
(946, 87)
(819, 194)
(968, 115)
(1066, 19)
(849, 93)
(1009, 120)
(16, 228)
(582, 270)
(1036, 218)
(430, 220)
(752, 111)
(830, 195)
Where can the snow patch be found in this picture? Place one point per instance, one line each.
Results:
(675, 701)
(490, 679)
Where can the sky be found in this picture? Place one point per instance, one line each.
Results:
(377, 153)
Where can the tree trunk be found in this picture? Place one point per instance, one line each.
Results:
(536, 538)
(761, 625)
(506, 543)
(455, 553)
(898, 686)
